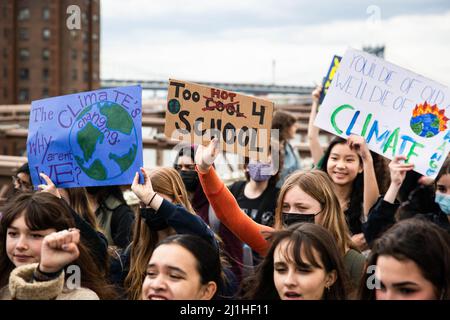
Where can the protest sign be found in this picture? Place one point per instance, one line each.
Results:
(87, 139)
(195, 113)
(397, 111)
(329, 77)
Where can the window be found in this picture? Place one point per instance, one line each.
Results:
(24, 54)
(24, 74)
(45, 54)
(23, 95)
(94, 36)
(94, 76)
(24, 14)
(85, 76)
(5, 93)
(74, 54)
(95, 18)
(45, 73)
(85, 37)
(46, 13)
(5, 53)
(23, 34)
(45, 93)
(5, 33)
(74, 74)
(5, 72)
(46, 33)
(85, 56)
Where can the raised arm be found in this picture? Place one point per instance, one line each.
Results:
(224, 204)
(313, 131)
(174, 216)
(371, 191)
(382, 215)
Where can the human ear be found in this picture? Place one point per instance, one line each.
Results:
(330, 278)
(209, 290)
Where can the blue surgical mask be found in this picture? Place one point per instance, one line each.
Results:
(443, 200)
(260, 171)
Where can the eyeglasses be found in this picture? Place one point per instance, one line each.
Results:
(20, 183)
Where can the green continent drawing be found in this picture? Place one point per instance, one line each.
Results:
(96, 171)
(118, 118)
(87, 140)
(126, 160)
(104, 141)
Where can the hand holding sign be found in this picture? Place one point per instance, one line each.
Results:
(359, 145)
(398, 112)
(398, 170)
(59, 249)
(144, 191)
(49, 186)
(316, 94)
(205, 156)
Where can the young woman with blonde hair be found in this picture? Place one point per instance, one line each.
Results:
(305, 196)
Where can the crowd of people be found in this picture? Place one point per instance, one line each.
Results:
(354, 226)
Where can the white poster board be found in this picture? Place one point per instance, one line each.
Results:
(397, 111)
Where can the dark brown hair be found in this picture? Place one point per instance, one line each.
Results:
(421, 241)
(306, 238)
(44, 211)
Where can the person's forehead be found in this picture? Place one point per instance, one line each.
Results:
(23, 176)
(185, 160)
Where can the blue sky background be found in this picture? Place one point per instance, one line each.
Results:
(238, 40)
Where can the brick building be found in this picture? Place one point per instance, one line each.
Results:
(40, 56)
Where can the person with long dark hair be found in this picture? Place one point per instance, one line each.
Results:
(410, 261)
(33, 230)
(302, 263)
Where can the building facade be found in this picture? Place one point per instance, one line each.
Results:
(48, 48)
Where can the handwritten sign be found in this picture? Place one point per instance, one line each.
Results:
(86, 139)
(330, 75)
(196, 113)
(397, 111)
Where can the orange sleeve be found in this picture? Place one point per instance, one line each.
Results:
(230, 214)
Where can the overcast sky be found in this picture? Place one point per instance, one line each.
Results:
(238, 40)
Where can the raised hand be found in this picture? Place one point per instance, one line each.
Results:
(59, 249)
(205, 156)
(315, 95)
(49, 186)
(144, 191)
(398, 170)
(359, 145)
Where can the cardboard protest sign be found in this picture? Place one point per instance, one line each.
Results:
(87, 139)
(330, 75)
(397, 111)
(195, 113)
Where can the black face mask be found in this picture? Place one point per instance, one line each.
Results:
(154, 221)
(190, 179)
(291, 218)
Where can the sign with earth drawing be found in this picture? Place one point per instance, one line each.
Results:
(397, 111)
(87, 139)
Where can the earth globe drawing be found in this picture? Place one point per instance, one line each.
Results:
(428, 121)
(103, 140)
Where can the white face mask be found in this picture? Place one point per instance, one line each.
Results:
(443, 200)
